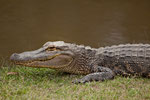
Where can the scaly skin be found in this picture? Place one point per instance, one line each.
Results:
(97, 64)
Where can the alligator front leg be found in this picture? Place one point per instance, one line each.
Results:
(101, 74)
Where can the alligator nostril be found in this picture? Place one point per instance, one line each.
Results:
(14, 56)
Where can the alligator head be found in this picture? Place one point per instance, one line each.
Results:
(52, 55)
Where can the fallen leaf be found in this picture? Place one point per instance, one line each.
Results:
(12, 73)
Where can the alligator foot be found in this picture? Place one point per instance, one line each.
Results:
(103, 74)
(99, 76)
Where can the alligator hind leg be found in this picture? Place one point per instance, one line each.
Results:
(101, 74)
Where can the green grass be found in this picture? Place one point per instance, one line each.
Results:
(47, 84)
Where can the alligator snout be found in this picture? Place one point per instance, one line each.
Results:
(14, 57)
(21, 57)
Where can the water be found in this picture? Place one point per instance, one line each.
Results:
(28, 24)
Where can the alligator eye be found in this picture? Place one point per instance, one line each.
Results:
(52, 49)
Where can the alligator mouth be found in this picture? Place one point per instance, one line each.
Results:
(57, 61)
(23, 62)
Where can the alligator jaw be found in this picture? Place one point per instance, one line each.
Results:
(30, 62)
(18, 61)
(55, 62)
(44, 57)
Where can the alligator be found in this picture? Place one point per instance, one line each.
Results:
(99, 64)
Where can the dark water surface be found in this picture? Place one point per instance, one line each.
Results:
(28, 24)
